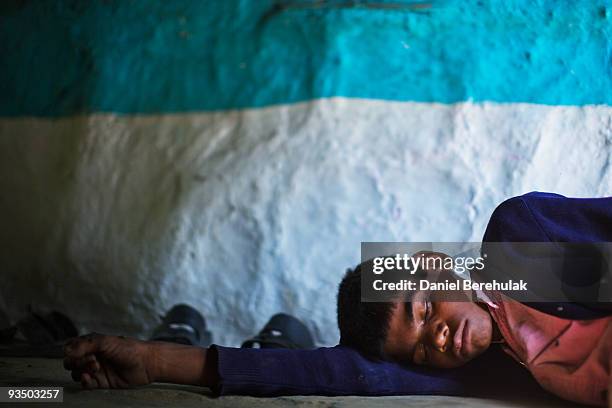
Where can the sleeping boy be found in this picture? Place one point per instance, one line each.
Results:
(566, 347)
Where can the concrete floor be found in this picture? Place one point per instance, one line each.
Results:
(49, 372)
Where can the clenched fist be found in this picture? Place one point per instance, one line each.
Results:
(100, 361)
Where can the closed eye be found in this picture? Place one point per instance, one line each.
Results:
(427, 307)
(422, 356)
(426, 317)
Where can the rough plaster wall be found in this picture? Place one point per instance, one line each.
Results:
(112, 219)
(115, 202)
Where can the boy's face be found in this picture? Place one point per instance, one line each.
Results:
(437, 334)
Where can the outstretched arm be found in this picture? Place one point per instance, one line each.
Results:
(100, 361)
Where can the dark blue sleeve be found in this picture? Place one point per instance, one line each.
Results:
(342, 371)
(324, 371)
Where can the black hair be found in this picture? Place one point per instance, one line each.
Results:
(363, 325)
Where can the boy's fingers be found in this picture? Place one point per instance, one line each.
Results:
(100, 377)
(81, 363)
(94, 381)
(80, 346)
(87, 381)
(92, 367)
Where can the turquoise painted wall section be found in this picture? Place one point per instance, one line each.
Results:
(68, 57)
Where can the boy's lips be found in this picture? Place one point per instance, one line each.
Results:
(461, 340)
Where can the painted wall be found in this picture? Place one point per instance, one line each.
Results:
(154, 155)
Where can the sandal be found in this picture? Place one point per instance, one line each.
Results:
(282, 331)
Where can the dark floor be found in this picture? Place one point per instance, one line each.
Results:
(49, 372)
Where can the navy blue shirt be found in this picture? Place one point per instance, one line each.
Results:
(548, 217)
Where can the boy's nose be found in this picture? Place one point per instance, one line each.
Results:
(440, 335)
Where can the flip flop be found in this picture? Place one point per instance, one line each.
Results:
(282, 331)
(184, 325)
(37, 335)
(46, 329)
